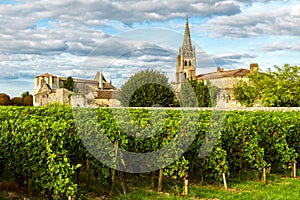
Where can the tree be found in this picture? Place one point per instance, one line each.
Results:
(4, 100)
(28, 100)
(213, 94)
(24, 94)
(204, 94)
(147, 88)
(69, 83)
(245, 93)
(279, 88)
(16, 101)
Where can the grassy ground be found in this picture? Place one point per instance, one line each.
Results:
(277, 187)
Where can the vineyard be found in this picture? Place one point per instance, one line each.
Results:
(46, 149)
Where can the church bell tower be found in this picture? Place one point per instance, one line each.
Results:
(186, 59)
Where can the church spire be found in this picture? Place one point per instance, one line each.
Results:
(187, 44)
(186, 60)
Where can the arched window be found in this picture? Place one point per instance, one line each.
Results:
(185, 63)
(190, 63)
(184, 76)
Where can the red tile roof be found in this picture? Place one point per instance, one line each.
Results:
(223, 74)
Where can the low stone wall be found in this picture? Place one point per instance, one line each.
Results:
(283, 109)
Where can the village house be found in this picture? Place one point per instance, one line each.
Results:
(225, 81)
(49, 88)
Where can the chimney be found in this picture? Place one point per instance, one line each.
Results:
(219, 69)
(254, 67)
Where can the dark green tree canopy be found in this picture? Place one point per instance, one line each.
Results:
(24, 94)
(147, 88)
(195, 93)
(69, 83)
(279, 88)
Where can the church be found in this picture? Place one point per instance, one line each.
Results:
(49, 88)
(186, 60)
(223, 79)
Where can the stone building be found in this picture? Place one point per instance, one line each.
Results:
(48, 88)
(186, 60)
(225, 80)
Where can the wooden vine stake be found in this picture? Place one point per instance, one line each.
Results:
(294, 170)
(113, 171)
(88, 172)
(185, 186)
(29, 185)
(152, 181)
(160, 177)
(263, 178)
(224, 181)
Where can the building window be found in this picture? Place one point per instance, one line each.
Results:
(227, 98)
(190, 63)
(184, 76)
(185, 63)
(223, 97)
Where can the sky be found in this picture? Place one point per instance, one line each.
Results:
(80, 37)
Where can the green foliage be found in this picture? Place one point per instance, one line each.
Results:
(213, 93)
(69, 83)
(152, 94)
(279, 88)
(27, 99)
(177, 169)
(199, 92)
(245, 93)
(34, 143)
(205, 94)
(42, 144)
(24, 94)
(147, 88)
(215, 164)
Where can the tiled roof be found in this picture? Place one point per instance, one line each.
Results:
(108, 94)
(108, 86)
(46, 75)
(223, 74)
(76, 80)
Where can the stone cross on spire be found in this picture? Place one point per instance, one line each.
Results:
(187, 44)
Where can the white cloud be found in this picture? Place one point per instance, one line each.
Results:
(282, 21)
(57, 36)
(279, 46)
(231, 59)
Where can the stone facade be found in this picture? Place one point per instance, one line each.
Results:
(225, 80)
(48, 88)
